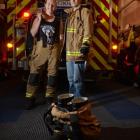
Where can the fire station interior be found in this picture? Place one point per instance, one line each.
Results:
(112, 76)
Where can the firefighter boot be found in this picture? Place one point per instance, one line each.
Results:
(50, 95)
(50, 92)
(30, 103)
(51, 85)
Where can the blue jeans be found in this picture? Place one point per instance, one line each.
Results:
(75, 74)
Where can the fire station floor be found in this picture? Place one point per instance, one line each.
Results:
(117, 107)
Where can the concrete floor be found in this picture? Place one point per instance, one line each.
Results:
(117, 107)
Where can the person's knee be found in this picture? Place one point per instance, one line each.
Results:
(51, 80)
(33, 79)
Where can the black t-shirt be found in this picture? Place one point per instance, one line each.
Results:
(49, 31)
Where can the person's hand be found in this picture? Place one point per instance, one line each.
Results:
(84, 49)
(39, 13)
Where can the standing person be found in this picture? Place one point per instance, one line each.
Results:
(46, 51)
(79, 29)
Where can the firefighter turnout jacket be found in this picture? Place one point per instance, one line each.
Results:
(79, 30)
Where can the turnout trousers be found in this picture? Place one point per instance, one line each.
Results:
(43, 57)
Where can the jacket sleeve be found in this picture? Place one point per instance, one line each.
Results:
(88, 26)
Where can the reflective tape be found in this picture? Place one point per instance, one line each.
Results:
(28, 95)
(68, 53)
(71, 30)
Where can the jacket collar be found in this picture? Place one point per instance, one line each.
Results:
(71, 10)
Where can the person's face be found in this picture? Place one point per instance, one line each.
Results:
(75, 3)
(50, 6)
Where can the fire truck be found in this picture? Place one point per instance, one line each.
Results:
(102, 56)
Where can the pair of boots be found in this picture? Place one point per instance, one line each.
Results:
(30, 102)
(49, 96)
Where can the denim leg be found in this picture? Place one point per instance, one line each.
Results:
(70, 76)
(79, 70)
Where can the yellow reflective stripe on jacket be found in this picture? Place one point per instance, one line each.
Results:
(71, 30)
(28, 95)
(68, 53)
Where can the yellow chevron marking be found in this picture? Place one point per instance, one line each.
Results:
(103, 21)
(102, 34)
(33, 7)
(106, 25)
(20, 20)
(18, 39)
(105, 10)
(17, 9)
(102, 60)
(115, 7)
(94, 65)
(114, 33)
(100, 45)
(21, 48)
(10, 31)
(10, 3)
(114, 20)
(91, 60)
(103, 7)
(96, 13)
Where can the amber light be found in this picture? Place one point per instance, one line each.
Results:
(26, 14)
(114, 51)
(115, 47)
(9, 45)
